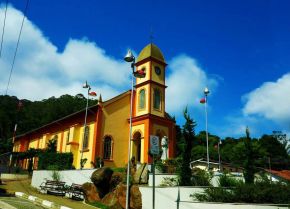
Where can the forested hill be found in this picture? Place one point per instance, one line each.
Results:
(30, 115)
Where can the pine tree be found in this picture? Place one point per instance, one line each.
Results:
(188, 135)
(249, 172)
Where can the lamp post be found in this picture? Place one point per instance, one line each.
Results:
(85, 86)
(130, 58)
(206, 92)
(220, 142)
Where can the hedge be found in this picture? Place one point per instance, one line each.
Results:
(55, 161)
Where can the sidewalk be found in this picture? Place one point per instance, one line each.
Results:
(6, 205)
(23, 186)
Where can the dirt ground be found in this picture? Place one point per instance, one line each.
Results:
(24, 186)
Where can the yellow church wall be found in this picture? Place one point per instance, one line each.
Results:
(147, 98)
(155, 77)
(40, 145)
(33, 143)
(16, 147)
(115, 124)
(76, 150)
(153, 110)
(45, 139)
(147, 70)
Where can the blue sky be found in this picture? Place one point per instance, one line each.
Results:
(239, 49)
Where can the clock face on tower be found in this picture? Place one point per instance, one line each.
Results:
(157, 70)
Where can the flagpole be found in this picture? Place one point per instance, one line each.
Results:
(219, 155)
(206, 92)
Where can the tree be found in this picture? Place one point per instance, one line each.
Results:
(52, 145)
(249, 172)
(275, 152)
(189, 136)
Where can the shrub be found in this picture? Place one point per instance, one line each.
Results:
(61, 161)
(201, 178)
(99, 205)
(259, 192)
(167, 181)
(226, 181)
(160, 166)
(56, 175)
(120, 169)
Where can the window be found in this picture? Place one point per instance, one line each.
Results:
(86, 137)
(107, 148)
(142, 99)
(157, 99)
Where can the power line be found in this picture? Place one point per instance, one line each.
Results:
(12, 66)
(3, 29)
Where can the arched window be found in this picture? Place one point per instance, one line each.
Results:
(142, 99)
(157, 99)
(86, 137)
(107, 155)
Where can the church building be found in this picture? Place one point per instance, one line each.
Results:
(108, 122)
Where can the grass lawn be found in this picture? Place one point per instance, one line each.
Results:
(24, 186)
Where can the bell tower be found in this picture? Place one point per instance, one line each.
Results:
(150, 90)
(149, 116)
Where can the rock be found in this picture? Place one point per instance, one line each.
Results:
(141, 175)
(117, 198)
(116, 179)
(91, 192)
(135, 197)
(101, 179)
(111, 200)
(121, 190)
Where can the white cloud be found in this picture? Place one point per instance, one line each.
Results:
(186, 83)
(271, 101)
(41, 71)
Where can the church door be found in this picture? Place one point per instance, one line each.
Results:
(137, 147)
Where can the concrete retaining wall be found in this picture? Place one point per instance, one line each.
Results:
(68, 176)
(165, 197)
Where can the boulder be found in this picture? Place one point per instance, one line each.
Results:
(135, 197)
(141, 175)
(91, 192)
(111, 201)
(117, 198)
(116, 179)
(101, 179)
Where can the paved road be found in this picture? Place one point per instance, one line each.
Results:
(17, 203)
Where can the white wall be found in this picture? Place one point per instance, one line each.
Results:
(165, 198)
(68, 176)
(159, 178)
(198, 205)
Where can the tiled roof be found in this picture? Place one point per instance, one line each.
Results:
(285, 174)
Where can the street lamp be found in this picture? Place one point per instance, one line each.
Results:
(206, 92)
(219, 143)
(130, 58)
(85, 86)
